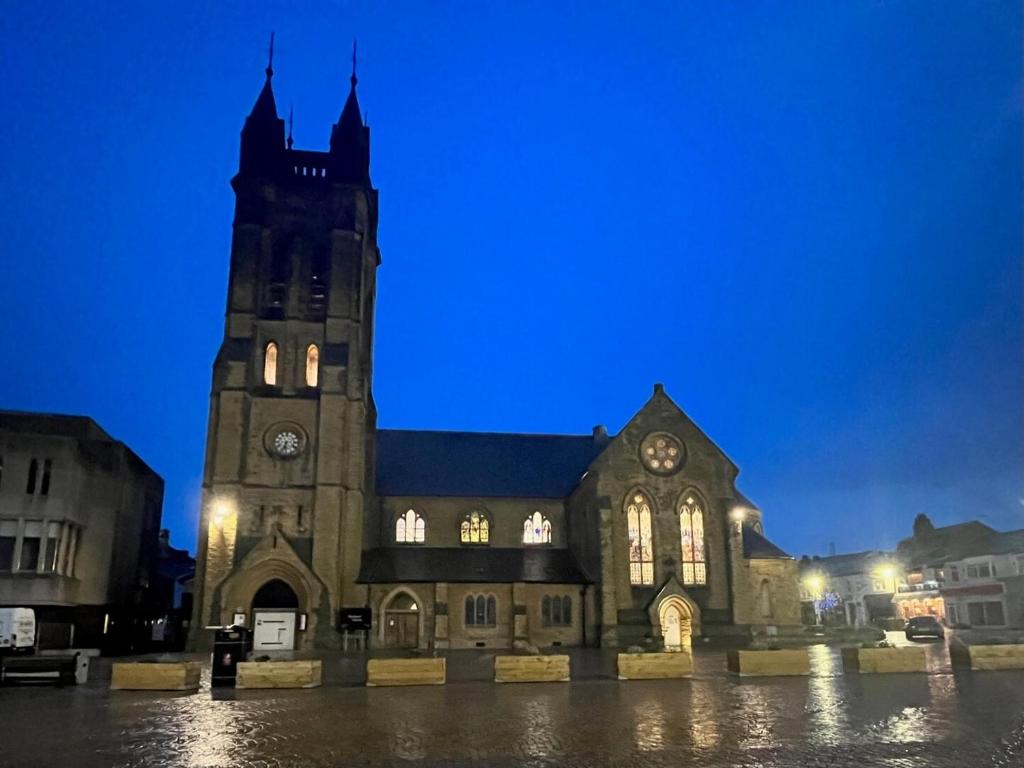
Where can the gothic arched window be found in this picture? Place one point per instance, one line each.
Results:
(691, 533)
(641, 543)
(536, 529)
(475, 529)
(270, 365)
(556, 611)
(481, 611)
(312, 365)
(410, 528)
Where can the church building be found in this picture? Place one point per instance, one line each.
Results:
(311, 514)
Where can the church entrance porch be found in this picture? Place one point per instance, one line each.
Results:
(274, 608)
(402, 622)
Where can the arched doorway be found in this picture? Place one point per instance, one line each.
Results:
(275, 607)
(676, 624)
(402, 622)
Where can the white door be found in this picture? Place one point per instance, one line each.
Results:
(673, 635)
(274, 631)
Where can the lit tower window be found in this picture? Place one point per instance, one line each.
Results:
(270, 365)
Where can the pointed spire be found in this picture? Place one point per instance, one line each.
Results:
(350, 113)
(265, 107)
(350, 138)
(263, 133)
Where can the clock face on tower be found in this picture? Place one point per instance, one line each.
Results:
(285, 441)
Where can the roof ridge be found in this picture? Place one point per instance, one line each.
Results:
(487, 433)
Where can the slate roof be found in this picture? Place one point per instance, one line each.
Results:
(1009, 543)
(757, 547)
(488, 464)
(848, 564)
(947, 544)
(386, 565)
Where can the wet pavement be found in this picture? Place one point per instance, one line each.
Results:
(828, 720)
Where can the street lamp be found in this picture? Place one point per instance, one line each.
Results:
(886, 573)
(815, 585)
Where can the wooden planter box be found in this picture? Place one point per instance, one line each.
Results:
(654, 666)
(869, 660)
(405, 672)
(770, 663)
(279, 674)
(981, 657)
(531, 669)
(155, 676)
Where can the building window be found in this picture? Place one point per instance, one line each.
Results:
(481, 611)
(50, 554)
(556, 611)
(982, 571)
(29, 549)
(33, 470)
(270, 365)
(312, 365)
(536, 529)
(641, 548)
(951, 613)
(410, 528)
(475, 529)
(691, 532)
(44, 486)
(986, 614)
(8, 538)
(954, 573)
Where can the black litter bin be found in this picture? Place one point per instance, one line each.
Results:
(230, 646)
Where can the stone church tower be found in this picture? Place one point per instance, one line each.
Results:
(291, 410)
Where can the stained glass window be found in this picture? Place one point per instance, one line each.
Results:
(270, 365)
(474, 529)
(536, 529)
(410, 528)
(556, 611)
(641, 548)
(481, 611)
(691, 532)
(661, 453)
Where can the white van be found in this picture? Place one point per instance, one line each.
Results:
(17, 629)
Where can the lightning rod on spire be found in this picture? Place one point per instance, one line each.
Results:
(353, 79)
(270, 56)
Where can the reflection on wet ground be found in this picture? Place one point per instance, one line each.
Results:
(943, 718)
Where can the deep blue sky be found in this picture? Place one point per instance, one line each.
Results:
(804, 218)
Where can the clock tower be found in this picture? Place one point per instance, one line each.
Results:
(291, 408)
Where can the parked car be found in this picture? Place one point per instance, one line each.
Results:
(924, 626)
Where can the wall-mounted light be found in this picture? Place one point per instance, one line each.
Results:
(220, 511)
(738, 514)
